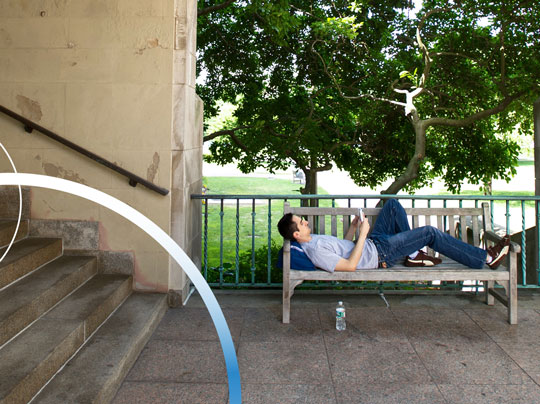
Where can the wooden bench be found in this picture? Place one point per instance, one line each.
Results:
(446, 219)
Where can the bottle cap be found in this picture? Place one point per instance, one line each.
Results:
(340, 302)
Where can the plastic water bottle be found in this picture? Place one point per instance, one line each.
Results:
(340, 317)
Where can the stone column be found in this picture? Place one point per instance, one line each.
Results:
(186, 146)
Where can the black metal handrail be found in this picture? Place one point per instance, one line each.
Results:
(133, 179)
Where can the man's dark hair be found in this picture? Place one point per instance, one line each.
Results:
(287, 226)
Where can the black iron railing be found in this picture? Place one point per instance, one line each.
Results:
(133, 179)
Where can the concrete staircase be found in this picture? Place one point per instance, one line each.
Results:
(67, 332)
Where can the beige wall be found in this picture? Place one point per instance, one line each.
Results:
(116, 77)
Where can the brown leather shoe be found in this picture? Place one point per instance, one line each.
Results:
(498, 252)
(422, 260)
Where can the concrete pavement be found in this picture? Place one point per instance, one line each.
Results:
(424, 349)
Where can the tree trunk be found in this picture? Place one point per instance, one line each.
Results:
(411, 172)
(310, 187)
(488, 187)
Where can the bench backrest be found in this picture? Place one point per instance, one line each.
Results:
(336, 221)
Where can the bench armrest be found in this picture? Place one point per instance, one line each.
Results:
(492, 236)
(286, 259)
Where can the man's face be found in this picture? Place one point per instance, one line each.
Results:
(303, 232)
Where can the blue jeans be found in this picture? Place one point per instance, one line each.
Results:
(394, 239)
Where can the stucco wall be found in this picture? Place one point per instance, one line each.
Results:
(116, 77)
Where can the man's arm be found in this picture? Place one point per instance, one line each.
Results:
(352, 228)
(349, 264)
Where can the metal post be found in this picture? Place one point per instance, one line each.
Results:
(253, 213)
(237, 256)
(536, 117)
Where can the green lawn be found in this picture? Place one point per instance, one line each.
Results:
(252, 186)
(502, 193)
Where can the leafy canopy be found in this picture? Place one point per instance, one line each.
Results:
(317, 82)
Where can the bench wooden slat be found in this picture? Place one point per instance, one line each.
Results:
(463, 227)
(440, 223)
(346, 223)
(321, 224)
(476, 231)
(451, 225)
(333, 224)
(451, 273)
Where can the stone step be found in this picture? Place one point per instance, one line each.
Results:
(27, 255)
(7, 229)
(106, 359)
(26, 300)
(28, 361)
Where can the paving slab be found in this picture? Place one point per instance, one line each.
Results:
(490, 394)
(180, 361)
(171, 393)
(373, 324)
(495, 324)
(368, 362)
(457, 362)
(298, 362)
(264, 324)
(195, 324)
(527, 357)
(433, 324)
(288, 394)
(390, 393)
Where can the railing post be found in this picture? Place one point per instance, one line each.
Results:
(523, 249)
(253, 214)
(237, 256)
(507, 216)
(205, 239)
(269, 264)
(221, 214)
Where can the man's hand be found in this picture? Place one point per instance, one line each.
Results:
(364, 228)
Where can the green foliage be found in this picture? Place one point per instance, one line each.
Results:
(252, 267)
(313, 82)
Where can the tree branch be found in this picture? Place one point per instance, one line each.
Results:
(423, 47)
(223, 133)
(456, 123)
(338, 86)
(239, 143)
(336, 145)
(211, 9)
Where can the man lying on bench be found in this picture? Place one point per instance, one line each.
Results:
(390, 240)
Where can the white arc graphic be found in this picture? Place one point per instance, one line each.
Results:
(20, 206)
